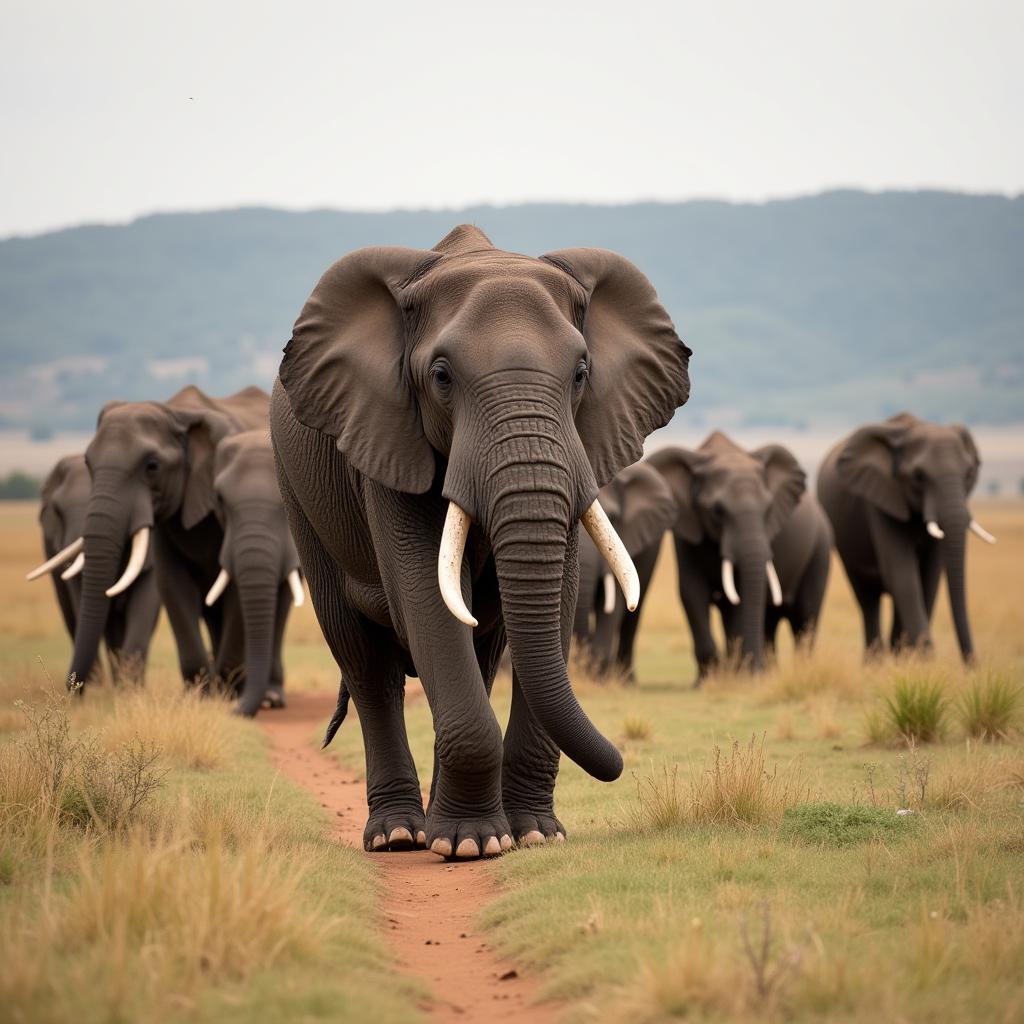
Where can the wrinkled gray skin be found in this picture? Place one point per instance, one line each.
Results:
(641, 508)
(151, 464)
(748, 507)
(879, 486)
(258, 553)
(513, 387)
(133, 614)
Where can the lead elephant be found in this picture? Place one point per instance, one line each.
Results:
(133, 613)
(641, 508)
(896, 493)
(151, 469)
(747, 532)
(442, 421)
(259, 571)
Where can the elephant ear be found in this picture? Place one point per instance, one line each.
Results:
(680, 468)
(344, 368)
(638, 371)
(786, 482)
(648, 508)
(49, 515)
(867, 465)
(972, 454)
(205, 429)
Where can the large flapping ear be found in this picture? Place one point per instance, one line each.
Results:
(344, 368)
(638, 373)
(648, 507)
(205, 429)
(680, 468)
(867, 465)
(786, 481)
(972, 454)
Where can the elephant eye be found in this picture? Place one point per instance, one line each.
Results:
(581, 375)
(441, 376)
(918, 475)
(152, 465)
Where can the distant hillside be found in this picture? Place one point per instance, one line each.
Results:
(836, 307)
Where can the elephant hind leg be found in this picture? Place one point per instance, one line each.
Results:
(869, 597)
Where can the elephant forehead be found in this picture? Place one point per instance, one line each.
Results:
(131, 426)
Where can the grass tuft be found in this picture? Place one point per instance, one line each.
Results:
(990, 709)
(916, 709)
(635, 727)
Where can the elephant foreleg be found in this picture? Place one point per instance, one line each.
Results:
(695, 594)
(141, 613)
(183, 600)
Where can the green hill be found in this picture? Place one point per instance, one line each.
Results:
(841, 306)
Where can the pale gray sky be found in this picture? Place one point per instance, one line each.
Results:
(113, 108)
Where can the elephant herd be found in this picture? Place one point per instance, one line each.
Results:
(443, 422)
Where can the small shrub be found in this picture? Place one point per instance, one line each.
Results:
(916, 710)
(990, 709)
(636, 728)
(831, 824)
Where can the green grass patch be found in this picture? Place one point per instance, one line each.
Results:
(833, 824)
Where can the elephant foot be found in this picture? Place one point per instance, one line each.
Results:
(273, 699)
(535, 828)
(395, 829)
(469, 838)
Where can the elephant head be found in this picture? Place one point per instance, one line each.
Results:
(257, 554)
(523, 384)
(921, 473)
(148, 461)
(738, 501)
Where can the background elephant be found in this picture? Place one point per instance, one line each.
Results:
(151, 466)
(896, 493)
(442, 421)
(749, 540)
(641, 508)
(133, 613)
(259, 570)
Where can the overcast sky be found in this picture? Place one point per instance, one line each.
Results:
(111, 109)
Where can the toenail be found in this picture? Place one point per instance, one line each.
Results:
(492, 847)
(506, 843)
(532, 838)
(421, 838)
(442, 847)
(468, 848)
(559, 837)
(377, 842)
(400, 835)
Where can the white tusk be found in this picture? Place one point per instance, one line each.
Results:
(609, 593)
(976, 528)
(602, 533)
(58, 559)
(728, 583)
(136, 560)
(449, 563)
(74, 568)
(773, 583)
(934, 530)
(298, 594)
(220, 584)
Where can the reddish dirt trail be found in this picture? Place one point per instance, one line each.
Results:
(430, 907)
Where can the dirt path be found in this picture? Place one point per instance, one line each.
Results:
(430, 907)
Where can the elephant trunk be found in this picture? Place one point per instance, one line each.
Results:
(954, 520)
(750, 552)
(529, 529)
(105, 536)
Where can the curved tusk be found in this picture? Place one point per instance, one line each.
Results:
(58, 559)
(773, 583)
(609, 593)
(295, 584)
(934, 530)
(220, 584)
(449, 563)
(596, 522)
(74, 568)
(136, 560)
(976, 528)
(728, 583)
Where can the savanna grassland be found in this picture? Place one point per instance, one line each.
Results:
(749, 865)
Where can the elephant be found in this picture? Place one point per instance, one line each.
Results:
(133, 613)
(151, 469)
(896, 493)
(748, 511)
(641, 508)
(259, 575)
(442, 420)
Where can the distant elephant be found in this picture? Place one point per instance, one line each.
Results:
(746, 530)
(133, 613)
(259, 576)
(151, 466)
(641, 508)
(896, 493)
(442, 421)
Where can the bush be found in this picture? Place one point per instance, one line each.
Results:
(990, 709)
(916, 710)
(830, 824)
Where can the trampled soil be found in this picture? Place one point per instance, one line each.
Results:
(429, 907)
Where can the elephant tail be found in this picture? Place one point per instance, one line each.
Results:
(339, 714)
